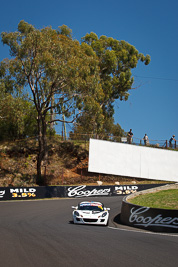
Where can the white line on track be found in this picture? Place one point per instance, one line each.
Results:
(142, 232)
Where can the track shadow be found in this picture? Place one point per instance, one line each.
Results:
(85, 224)
(117, 219)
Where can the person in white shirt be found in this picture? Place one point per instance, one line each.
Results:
(146, 140)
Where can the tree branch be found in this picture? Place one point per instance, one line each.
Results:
(52, 121)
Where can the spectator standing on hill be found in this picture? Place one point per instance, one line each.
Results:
(146, 140)
(130, 136)
(171, 139)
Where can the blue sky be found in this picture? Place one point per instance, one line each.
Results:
(151, 26)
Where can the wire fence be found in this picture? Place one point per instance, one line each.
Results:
(121, 139)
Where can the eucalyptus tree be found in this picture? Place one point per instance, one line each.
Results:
(60, 74)
(116, 61)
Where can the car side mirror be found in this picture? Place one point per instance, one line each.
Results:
(74, 207)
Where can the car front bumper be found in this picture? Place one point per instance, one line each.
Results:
(97, 221)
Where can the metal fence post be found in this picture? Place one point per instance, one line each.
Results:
(166, 143)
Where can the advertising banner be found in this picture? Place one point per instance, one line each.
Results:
(42, 192)
(156, 220)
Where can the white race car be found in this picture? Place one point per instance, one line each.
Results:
(90, 212)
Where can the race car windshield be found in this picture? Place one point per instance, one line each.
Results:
(92, 208)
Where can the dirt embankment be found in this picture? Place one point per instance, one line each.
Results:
(67, 165)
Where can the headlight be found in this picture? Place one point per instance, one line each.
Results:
(76, 213)
(104, 214)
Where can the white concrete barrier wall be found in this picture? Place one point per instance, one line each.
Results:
(134, 161)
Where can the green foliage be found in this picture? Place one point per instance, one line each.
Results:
(116, 59)
(88, 125)
(17, 118)
(64, 30)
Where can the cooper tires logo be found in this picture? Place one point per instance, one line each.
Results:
(80, 191)
(139, 217)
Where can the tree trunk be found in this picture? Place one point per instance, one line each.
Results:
(42, 152)
(52, 115)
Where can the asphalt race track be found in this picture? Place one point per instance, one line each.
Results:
(40, 233)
